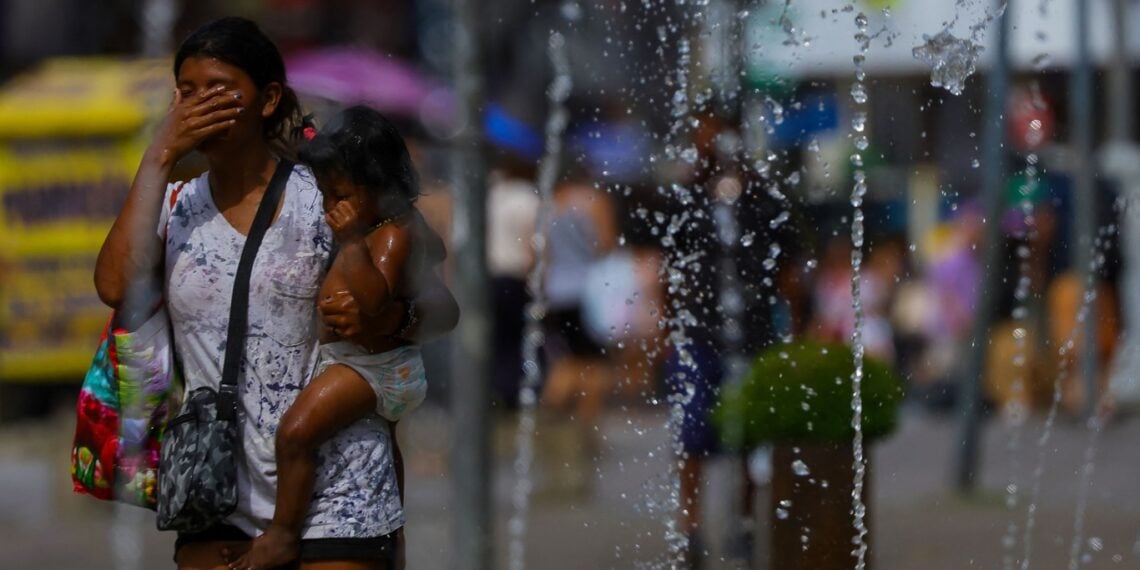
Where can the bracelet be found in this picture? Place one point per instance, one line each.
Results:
(409, 321)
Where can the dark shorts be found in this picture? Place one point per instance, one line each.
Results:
(312, 549)
(698, 435)
(565, 325)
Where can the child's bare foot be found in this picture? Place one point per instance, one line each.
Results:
(277, 547)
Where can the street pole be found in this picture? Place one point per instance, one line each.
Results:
(470, 382)
(157, 19)
(124, 534)
(1120, 117)
(1084, 199)
(1121, 162)
(993, 180)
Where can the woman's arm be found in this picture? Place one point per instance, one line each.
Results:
(430, 315)
(434, 312)
(131, 255)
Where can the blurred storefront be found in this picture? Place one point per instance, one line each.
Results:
(71, 135)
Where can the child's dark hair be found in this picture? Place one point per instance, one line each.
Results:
(363, 145)
(239, 42)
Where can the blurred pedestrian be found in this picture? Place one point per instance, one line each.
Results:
(580, 231)
(512, 211)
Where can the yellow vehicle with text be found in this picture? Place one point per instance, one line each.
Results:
(72, 132)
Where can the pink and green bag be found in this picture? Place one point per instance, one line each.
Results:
(130, 393)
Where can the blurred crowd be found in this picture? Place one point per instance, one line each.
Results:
(667, 260)
(635, 233)
(632, 254)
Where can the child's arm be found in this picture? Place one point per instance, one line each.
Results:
(372, 265)
(392, 249)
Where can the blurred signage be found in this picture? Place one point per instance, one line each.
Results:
(816, 38)
(71, 134)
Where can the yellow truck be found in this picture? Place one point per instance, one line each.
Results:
(72, 132)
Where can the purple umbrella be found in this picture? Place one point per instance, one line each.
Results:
(357, 76)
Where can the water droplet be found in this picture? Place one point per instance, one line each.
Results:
(690, 155)
(952, 60)
(781, 514)
(747, 239)
(571, 11)
(779, 219)
(800, 468)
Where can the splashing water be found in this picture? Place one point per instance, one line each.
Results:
(675, 266)
(952, 60)
(859, 190)
(533, 338)
(1017, 412)
(1068, 346)
(1096, 427)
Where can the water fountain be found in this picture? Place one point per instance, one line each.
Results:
(858, 192)
(533, 337)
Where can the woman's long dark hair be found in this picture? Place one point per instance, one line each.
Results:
(241, 43)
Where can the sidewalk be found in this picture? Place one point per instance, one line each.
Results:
(917, 522)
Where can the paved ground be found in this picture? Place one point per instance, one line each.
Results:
(619, 521)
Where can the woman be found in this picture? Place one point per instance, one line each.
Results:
(232, 104)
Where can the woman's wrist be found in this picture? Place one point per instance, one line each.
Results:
(161, 157)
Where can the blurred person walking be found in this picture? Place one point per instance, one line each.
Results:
(580, 231)
(512, 211)
(695, 367)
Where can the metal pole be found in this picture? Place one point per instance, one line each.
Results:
(1121, 162)
(993, 179)
(157, 19)
(470, 390)
(1084, 199)
(1121, 121)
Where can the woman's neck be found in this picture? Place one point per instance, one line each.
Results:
(235, 175)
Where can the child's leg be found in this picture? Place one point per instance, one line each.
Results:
(333, 400)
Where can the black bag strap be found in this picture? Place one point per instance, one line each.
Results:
(239, 304)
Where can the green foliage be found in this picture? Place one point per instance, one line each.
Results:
(801, 392)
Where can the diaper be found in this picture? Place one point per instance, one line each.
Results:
(397, 376)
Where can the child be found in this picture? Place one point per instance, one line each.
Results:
(384, 249)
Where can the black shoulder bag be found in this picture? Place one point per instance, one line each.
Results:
(197, 471)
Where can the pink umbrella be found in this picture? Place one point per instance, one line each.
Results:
(358, 76)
